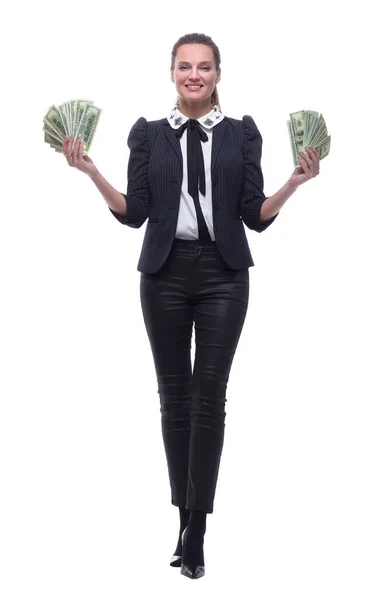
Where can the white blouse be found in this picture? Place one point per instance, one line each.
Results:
(187, 223)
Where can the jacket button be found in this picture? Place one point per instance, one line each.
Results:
(215, 181)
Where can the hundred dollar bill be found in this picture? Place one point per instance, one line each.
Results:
(76, 108)
(87, 125)
(75, 117)
(324, 148)
(293, 146)
(321, 132)
(311, 118)
(298, 123)
(68, 117)
(79, 108)
(53, 119)
(47, 126)
(308, 128)
(52, 139)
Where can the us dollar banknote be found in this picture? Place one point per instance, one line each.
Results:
(75, 117)
(308, 128)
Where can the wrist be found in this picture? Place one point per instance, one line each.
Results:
(292, 186)
(94, 175)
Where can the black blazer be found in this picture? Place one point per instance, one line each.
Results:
(155, 173)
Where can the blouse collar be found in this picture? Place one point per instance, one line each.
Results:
(176, 118)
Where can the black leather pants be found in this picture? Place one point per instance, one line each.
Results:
(194, 285)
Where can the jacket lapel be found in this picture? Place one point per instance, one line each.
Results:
(170, 135)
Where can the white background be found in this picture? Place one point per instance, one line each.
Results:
(301, 507)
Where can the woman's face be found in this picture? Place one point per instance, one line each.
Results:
(195, 65)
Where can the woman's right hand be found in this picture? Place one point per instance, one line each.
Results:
(75, 158)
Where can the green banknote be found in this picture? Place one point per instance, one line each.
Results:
(308, 128)
(75, 117)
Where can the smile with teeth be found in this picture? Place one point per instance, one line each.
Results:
(194, 87)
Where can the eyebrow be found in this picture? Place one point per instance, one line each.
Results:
(201, 63)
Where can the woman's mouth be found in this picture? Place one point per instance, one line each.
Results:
(194, 88)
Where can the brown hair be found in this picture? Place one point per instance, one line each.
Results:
(199, 38)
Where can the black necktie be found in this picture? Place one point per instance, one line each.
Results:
(195, 168)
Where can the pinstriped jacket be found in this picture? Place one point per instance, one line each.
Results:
(154, 181)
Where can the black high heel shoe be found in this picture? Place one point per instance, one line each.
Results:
(175, 560)
(191, 571)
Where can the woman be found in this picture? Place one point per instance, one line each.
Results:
(196, 177)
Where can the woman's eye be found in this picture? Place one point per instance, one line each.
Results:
(184, 67)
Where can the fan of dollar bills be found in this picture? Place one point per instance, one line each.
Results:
(308, 128)
(76, 117)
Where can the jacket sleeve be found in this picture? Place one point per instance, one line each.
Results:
(253, 195)
(137, 196)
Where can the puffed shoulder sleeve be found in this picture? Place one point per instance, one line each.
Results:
(137, 196)
(253, 194)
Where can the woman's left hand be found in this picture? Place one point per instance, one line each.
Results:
(310, 167)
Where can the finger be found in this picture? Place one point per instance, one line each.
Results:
(74, 145)
(311, 161)
(68, 147)
(314, 154)
(308, 156)
(70, 152)
(302, 162)
(80, 148)
(71, 147)
(73, 151)
(316, 160)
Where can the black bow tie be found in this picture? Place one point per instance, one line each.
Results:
(195, 163)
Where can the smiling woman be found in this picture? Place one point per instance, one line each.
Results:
(195, 70)
(196, 176)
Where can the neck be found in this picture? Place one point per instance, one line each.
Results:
(194, 110)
